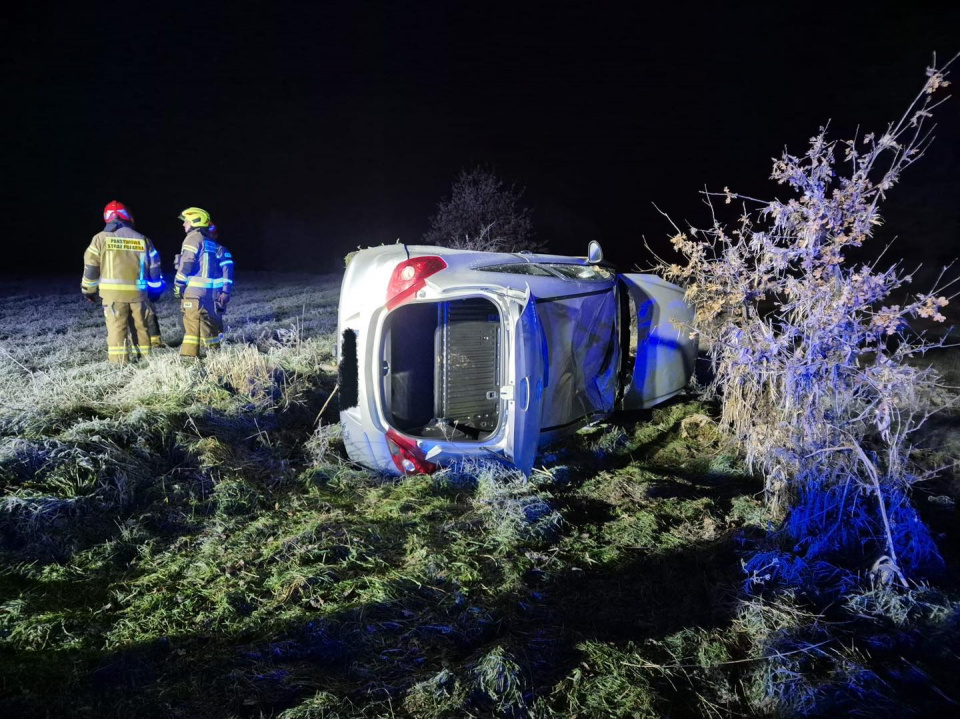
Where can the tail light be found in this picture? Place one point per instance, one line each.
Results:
(407, 456)
(409, 276)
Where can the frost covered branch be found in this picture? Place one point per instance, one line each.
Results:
(810, 351)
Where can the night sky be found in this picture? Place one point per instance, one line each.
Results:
(308, 129)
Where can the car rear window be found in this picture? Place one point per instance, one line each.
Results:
(349, 371)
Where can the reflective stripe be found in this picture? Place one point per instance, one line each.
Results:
(227, 281)
(89, 283)
(155, 285)
(188, 248)
(154, 253)
(124, 284)
(191, 339)
(224, 263)
(201, 282)
(213, 340)
(93, 250)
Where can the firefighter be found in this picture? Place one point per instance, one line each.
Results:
(123, 265)
(227, 263)
(202, 283)
(153, 322)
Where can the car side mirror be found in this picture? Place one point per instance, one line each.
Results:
(594, 253)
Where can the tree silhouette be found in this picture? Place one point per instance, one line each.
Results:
(482, 213)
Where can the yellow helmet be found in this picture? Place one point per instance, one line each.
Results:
(196, 217)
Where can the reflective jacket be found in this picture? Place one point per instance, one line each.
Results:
(122, 264)
(205, 268)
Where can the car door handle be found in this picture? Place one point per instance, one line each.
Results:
(526, 394)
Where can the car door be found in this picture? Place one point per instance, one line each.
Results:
(524, 394)
(663, 352)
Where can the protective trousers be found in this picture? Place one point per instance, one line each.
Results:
(202, 325)
(127, 335)
(153, 326)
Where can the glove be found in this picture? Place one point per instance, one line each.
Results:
(178, 291)
(221, 302)
(90, 297)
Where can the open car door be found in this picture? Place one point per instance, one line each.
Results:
(663, 352)
(524, 394)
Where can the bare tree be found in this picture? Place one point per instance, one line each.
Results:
(482, 213)
(812, 358)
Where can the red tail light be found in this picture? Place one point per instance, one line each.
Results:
(409, 276)
(407, 456)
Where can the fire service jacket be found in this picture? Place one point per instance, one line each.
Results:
(122, 264)
(205, 268)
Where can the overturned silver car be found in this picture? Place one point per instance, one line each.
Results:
(447, 354)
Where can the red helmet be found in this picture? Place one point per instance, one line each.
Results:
(116, 211)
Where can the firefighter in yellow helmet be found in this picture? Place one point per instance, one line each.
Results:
(203, 282)
(124, 267)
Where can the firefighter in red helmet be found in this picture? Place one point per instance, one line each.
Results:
(123, 266)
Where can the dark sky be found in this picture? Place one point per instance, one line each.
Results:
(308, 129)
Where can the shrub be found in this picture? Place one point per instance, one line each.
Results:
(482, 213)
(810, 350)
